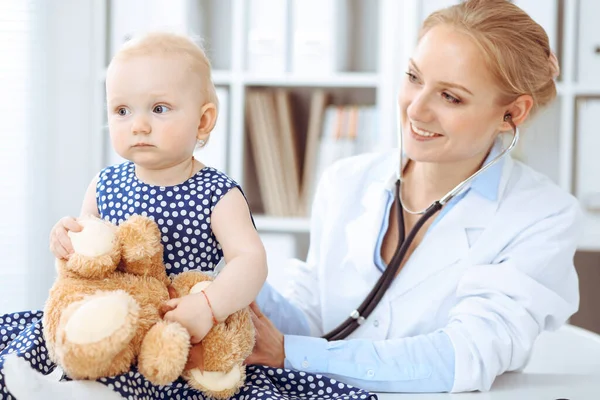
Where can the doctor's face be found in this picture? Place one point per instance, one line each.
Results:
(448, 101)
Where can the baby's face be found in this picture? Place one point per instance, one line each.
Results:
(154, 109)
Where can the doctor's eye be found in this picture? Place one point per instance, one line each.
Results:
(451, 99)
(122, 111)
(160, 109)
(412, 77)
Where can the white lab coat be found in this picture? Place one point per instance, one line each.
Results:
(491, 274)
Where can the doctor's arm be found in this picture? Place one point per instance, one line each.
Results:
(501, 309)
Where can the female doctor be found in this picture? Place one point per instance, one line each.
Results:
(486, 274)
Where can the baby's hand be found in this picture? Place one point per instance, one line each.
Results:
(193, 313)
(60, 243)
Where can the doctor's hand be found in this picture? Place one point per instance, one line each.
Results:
(268, 349)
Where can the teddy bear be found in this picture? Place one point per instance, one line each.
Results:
(104, 313)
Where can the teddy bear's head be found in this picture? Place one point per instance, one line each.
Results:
(97, 250)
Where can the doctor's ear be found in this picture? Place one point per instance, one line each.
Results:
(517, 112)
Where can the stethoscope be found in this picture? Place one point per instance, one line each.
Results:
(359, 315)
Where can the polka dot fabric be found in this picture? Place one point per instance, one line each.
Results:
(21, 333)
(182, 212)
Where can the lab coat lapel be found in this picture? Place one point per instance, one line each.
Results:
(446, 242)
(362, 233)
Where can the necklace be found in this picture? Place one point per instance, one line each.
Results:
(406, 208)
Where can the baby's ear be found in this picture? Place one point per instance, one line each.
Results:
(208, 118)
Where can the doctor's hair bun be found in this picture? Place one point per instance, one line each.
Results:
(515, 48)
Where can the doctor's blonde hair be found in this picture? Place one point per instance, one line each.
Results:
(173, 44)
(515, 47)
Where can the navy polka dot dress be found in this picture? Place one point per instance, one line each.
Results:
(182, 212)
(21, 334)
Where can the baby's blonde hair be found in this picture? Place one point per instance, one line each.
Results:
(170, 43)
(515, 48)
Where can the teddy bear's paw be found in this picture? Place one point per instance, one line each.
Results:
(220, 385)
(164, 352)
(141, 248)
(96, 249)
(95, 334)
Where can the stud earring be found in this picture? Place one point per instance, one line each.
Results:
(201, 142)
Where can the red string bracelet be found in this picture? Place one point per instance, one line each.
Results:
(215, 322)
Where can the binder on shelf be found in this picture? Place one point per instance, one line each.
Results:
(318, 104)
(214, 153)
(275, 154)
(288, 142)
(320, 39)
(262, 154)
(588, 46)
(267, 48)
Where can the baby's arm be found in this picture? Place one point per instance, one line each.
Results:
(89, 205)
(245, 272)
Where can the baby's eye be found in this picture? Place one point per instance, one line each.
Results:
(122, 111)
(161, 109)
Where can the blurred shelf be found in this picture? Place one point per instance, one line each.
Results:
(221, 77)
(278, 224)
(578, 89)
(587, 90)
(346, 79)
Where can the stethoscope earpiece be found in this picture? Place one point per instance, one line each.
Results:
(507, 117)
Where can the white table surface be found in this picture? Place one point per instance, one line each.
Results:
(564, 365)
(522, 386)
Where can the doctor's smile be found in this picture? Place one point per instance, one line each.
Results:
(421, 134)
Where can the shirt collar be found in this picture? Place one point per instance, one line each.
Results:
(487, 184)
